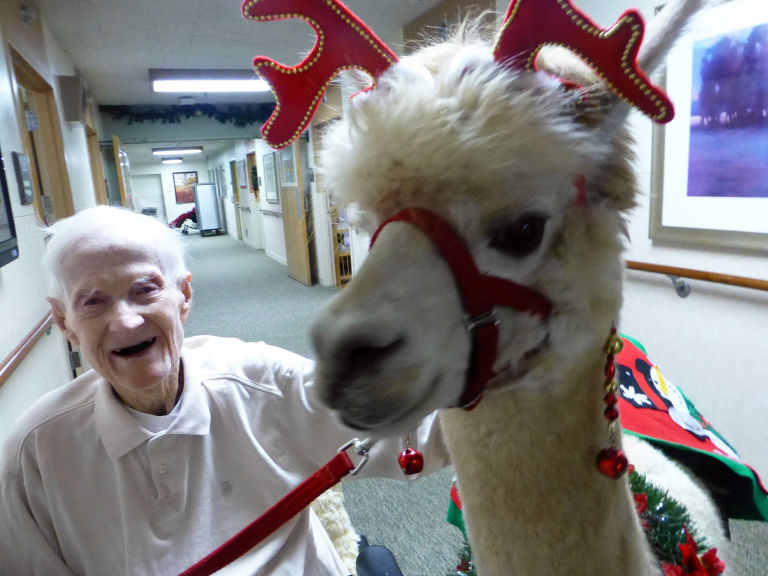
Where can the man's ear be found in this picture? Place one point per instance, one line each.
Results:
(186, 290)
(59, 316)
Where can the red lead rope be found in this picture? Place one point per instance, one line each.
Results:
(282, 511)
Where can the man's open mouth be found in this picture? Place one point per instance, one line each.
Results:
(136, 349)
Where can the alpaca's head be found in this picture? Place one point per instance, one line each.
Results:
(495, 152)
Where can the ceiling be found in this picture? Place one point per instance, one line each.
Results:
(113, 43)
(142, 153)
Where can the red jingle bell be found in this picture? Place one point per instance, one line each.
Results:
(612, 462)
(411, 461)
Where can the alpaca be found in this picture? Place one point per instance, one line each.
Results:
(535, 180)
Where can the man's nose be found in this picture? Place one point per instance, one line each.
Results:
(127, 316)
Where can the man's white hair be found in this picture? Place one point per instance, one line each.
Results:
(115, 223)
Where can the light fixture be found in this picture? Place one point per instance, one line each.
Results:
(195, 81)
(171, 161)
(187, 150)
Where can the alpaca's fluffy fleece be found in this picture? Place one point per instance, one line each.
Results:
(461, 138)
(329, 507)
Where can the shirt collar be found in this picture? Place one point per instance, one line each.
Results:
(121, 433)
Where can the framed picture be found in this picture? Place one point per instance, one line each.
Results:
(270, 178)
(288, 167)
(23, 177)
(710, 175)
(242, 179)
(184, 186)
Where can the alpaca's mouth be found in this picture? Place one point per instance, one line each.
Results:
(388, 419)
(135, 349)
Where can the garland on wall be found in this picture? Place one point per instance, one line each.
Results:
(240, 115)
(665, 522)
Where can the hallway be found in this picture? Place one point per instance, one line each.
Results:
(242, 293)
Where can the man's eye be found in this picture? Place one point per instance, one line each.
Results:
(520, 238)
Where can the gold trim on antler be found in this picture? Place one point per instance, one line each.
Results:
(610, 52)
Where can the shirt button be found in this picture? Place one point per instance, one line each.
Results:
(162, 469)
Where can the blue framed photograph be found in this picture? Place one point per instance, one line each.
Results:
(710, 174)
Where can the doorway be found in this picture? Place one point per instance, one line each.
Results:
(148, 196)
(40, 131)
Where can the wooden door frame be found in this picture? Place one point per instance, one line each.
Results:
(49, 144)
(97, 170)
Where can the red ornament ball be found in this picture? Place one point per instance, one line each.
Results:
(612, 462)
(411, 461)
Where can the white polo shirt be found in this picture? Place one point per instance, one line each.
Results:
(88, 487)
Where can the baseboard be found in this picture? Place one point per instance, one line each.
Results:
(276, 257)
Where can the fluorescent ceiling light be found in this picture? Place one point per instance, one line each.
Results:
(196, 81)
(171, 161)
(177, 151)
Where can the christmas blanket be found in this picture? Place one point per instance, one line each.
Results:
(656, 410)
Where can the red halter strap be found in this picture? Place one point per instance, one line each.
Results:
(479, 293)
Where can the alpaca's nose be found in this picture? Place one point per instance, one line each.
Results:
(349, 351)
(355, 358)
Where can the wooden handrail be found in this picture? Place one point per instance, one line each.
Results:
(20, 352)
(742, 281)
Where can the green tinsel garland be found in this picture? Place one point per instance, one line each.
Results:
(240, 115)
(664, 521)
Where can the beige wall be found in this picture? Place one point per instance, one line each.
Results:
(447, 13)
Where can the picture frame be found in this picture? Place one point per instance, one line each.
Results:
(709, 178)
(184, 186)
(242, 178)
(270, 178)
(288, 175)
(23, 177)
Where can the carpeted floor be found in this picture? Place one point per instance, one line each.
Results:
(242, 293)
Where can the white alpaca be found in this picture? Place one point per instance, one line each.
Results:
(500, 153)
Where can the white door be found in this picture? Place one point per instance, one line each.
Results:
(148, 195)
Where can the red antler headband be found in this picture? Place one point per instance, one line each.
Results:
(298, 90)
(528, 26)
(612, 52)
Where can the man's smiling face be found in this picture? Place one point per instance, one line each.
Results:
(127, 317)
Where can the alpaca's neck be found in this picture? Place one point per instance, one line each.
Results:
(534, 501)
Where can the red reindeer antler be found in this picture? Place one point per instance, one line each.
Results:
(612, 53)
(298, 89)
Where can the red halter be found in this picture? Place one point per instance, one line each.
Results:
(479, 293)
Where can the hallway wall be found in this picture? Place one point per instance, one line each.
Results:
(22, 290)
(165, 171)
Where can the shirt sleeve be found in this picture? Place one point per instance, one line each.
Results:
(27, 539)
(316, 433)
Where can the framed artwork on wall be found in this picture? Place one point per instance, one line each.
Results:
(242, 179)
(184, 186)
(270, 178)
(710, 175)
(288, 167)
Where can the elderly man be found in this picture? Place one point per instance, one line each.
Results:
(167, 447)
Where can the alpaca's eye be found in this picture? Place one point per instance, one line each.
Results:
(520, 238)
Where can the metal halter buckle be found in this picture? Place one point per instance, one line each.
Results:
(489, 317)
(362, 448)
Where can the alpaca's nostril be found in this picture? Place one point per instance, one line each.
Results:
(365, 357)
